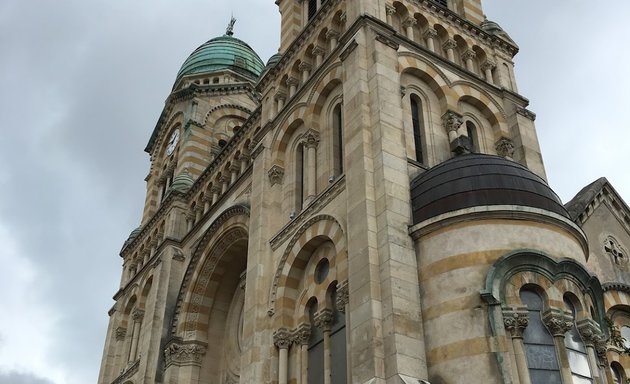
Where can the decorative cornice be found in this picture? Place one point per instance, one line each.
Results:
(301, 219)
(526, 113)
(128, 372)
(184, 353)
(387, 41)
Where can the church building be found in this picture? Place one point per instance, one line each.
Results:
(370, 206)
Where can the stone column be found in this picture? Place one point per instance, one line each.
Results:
(244, 161)
(430, 35)
(305, 68)
(409, 24)
(318, 52)
(225, 183)
(282, 340)
(559, 322)
(515, 322)
(452, 121)
(188, 356)
(137, 316)
(121, 333)
(190, 220)
(323, 320)
(332, 37)
(468, 57)
(390, 11)
(341, 303)
(487, 68)
(207, 203)
(449, 46)
(591, 334)
(280, 100)
(234, 169)
(292, 83)
(198, 212)
(216, 191)
(310, 142)
(301, 336)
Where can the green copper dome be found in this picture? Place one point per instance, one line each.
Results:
(224, 52)
(181, 183)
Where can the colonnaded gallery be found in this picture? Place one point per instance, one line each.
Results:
(370, 206)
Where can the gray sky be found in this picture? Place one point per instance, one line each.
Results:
(82, 84)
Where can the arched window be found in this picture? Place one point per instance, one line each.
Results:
(617, 373)
(337, 140)
(312, 8)
(471, 130)
(539, 346)
(578, 358)
(315, 350)
(299, 178)
(625, 333)
(417, 123)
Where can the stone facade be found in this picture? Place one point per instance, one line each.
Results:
(278, 245)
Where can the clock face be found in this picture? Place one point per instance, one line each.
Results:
(172, 143)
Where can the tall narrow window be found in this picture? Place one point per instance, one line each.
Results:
(416, 120)
(337, 140)
(472, 135)
(299, 178)
(539, 346)
(578, 358)
(312, 8)
(315, 350)
(617, 373)
(338, 366)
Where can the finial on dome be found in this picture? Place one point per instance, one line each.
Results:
(230, 28)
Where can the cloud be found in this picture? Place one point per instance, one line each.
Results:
(22, 378)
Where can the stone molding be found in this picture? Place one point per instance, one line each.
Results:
(526, 113)
(282, 338)
(276, 175)
(184, 353)
(347, 50)
(387, 41)
(515, 321)
(127, 372)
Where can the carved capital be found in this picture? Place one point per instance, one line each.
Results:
(452, 121)
(311, 139)
(430, 33)
(276, 175)
(184, 353)
(292, 81)
(304, 66)
(332, 34)
(504, 147)
(302, 334)
(343, 296)
(590, 332)
(449, 44)
(469, 55)
(137, 315)
(410, 22)
(235, 167)
(601, 348)
(390, 10)
(318, 51)
(120, 333)
(558, 322)
(488, 65)
(280, 95)
(324, 319)
(515, 321)
(282, 338)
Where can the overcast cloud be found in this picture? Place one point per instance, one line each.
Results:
(82, 84)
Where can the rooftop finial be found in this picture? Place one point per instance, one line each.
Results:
(230, 28)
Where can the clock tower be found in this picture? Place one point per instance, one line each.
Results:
(370, 206)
